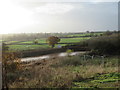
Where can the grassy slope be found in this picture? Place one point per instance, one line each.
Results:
(70, 72)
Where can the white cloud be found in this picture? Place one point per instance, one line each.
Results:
(66, 0)
(97, 1)
(13, 17)
(54, 8)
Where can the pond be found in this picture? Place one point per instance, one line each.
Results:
(50, 56)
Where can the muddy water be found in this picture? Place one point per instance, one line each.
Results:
(50, 56)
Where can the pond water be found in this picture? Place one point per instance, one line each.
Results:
(50, 56)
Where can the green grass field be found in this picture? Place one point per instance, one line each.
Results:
(9, 42)
(63, 40)
(15, 47)
(39, 41)
(30, 47)
(73, 40)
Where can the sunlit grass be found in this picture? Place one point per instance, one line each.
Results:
(73, 40)
(39, 41)
(31, 47)
(63, 40)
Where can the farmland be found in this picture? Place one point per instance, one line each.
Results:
(85, 34)
(95, 68)
(25, 45)
(42, 44)
(41, 41)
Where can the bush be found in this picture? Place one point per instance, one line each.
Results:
(105, 44)
(10, 64)
(71, 61)
(11, 77)
(69, 51)
(79, 60)
(47, 78)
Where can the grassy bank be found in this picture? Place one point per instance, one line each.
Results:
(72, 72)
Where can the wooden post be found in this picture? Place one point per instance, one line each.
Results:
(92, 56)
(84, 57)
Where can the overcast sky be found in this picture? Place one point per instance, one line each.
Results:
(26, 16)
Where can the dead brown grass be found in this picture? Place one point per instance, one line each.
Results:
(50, 73)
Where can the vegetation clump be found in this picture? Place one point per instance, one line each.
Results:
(10, 65)
(53, 40)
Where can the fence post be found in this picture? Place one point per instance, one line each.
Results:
(84, 57)
(92, 56)
(103, 60)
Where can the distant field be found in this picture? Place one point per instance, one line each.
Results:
(9, 42)
(39, 41)
(85, 34)
(30, 47)
(72, 40)
(15, 45)
(63, 40)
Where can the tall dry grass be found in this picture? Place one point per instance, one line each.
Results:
(60, 73)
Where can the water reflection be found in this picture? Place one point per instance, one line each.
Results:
(50, 56)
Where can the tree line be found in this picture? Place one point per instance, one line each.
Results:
(32, 36)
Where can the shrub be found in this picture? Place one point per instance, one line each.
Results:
(108, 33)
(74, 61)
(47, 78)
(69, 51)
(105, 44)
(10, 64)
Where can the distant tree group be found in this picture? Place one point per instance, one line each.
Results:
(108, 33)
(52, 41)
(29, 36)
